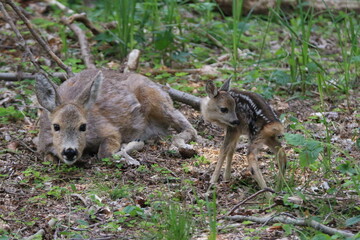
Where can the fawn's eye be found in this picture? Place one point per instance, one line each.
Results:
(280, 137)
(56, 127)
(224, 110)
(82, 128)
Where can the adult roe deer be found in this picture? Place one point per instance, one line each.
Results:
(97, 111)
(243, 113)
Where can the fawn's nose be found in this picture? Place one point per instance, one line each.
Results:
(235, 122)
(70, 154)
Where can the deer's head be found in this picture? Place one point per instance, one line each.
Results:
(68, 118)
(219, 106)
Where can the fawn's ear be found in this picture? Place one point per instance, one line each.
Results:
(211, 89)
(91, 92)
(226, 86)
(46, 93)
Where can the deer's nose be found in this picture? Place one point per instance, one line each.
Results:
(70, 154)
(235, 122)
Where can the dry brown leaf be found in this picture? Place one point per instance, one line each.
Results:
(12, 146)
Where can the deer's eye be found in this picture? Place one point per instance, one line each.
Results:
(56, 127)
(82, 128)
(224, 110)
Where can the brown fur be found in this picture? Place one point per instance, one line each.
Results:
(119, 108)
(255, 119)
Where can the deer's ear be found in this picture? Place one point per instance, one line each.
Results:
(226, 86)
(91, 92)
(46, 93)
(211, 89)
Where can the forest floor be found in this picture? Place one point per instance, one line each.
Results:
(105, 199)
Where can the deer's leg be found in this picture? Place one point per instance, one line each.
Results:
(275, 146)
(227, 149)
(128, 149)
(235, 134)
(253, 162)
(185, 130)
(109, 146)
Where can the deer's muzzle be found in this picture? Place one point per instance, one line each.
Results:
(69, 155)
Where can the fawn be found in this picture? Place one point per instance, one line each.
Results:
(97, 111)
(243, 113)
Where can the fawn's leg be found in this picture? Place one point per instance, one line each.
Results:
(253, 162)
(275, 146)
(227, 149)
(235, 134)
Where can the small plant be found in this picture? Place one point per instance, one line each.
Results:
(201, 160)
(123, 12)
(119, 192)
(10, 114)
(309, 149)
(212, 215)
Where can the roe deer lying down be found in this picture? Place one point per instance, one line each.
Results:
(243, 113)
(97, 111)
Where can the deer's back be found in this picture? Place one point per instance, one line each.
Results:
(253, 110)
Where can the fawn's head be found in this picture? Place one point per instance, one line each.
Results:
(219, 106)
(68, 118)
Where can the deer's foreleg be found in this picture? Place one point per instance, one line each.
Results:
(226, 151)
(109, 146)
(235, 134)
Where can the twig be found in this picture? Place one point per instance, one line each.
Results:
(296, 221)
(81, 17)
(11, 76)
(249, 198)
(84, 44)
(42, 43)
(21, 41)
(25, 145)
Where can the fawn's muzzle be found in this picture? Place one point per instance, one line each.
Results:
(235, 122)
(69, 154)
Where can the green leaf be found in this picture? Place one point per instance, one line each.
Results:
(352, 221)
(346, 168)
(321, 237)
(295, 139)
(280, 77)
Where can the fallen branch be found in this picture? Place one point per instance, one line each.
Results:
(81, 17)
(84, 44)
(249, 198)
(294, 221)
(37, 37)
(183, 97)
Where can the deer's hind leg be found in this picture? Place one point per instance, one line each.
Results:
(253, 149)
(185, 130)
(275, 146)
